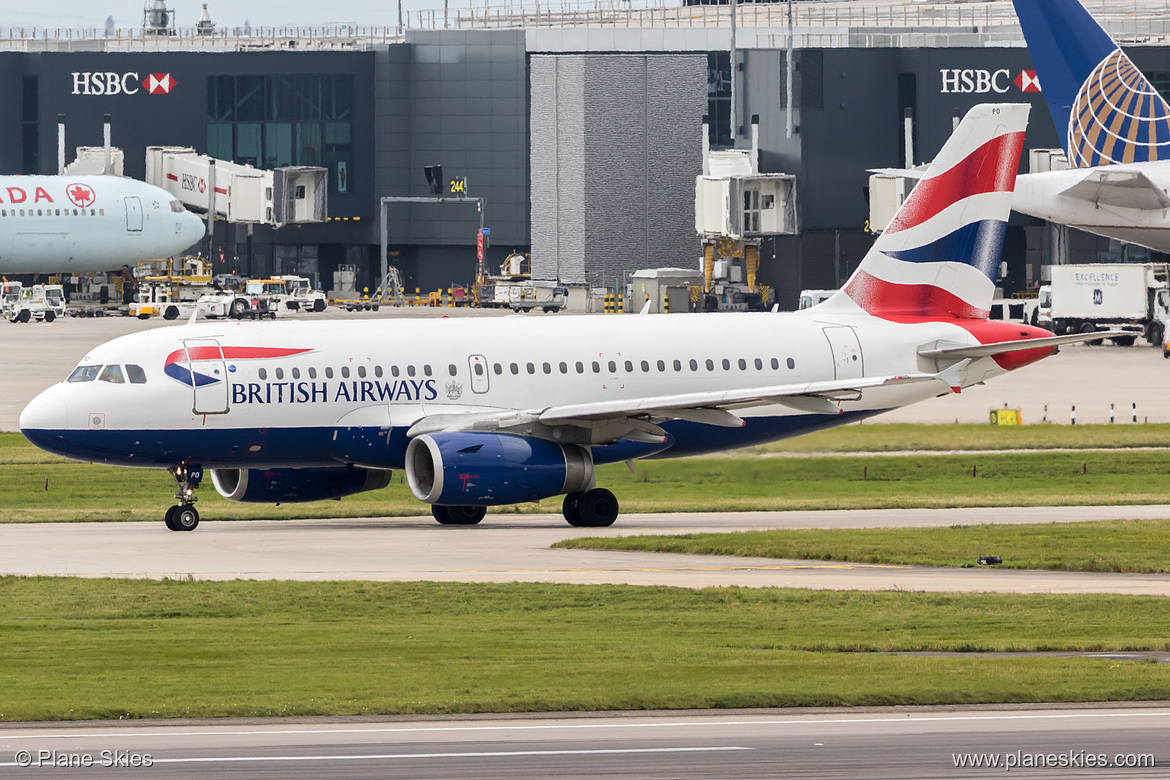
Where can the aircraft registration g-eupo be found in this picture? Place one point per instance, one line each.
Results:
(483, 412)
(1114, 128)
(78, 224)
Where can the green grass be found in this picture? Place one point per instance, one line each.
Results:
(1106, 546)
(80, 491)
(76, 649)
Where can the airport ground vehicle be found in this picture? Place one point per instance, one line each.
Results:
(1129, 297)
(810, 298)
(40, 302)
(301, 296)
(9, 295)
(1015, 310)
(171, 292)
(513, 288)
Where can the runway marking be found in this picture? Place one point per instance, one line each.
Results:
(401, 756)
(795, 720)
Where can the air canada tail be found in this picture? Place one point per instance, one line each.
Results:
(939, 256)
(1105, 110)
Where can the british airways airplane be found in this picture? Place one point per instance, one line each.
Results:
(1114, 127)
(484, 412)
(78, 224)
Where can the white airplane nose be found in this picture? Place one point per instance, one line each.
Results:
(192, 228)
(46, 412)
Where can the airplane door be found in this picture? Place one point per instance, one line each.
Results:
(848, 362)
(208, 376)
(479, 373)
(133, 215)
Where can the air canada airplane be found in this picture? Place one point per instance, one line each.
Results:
(78, 224)
(482, 412)
(1113, 124)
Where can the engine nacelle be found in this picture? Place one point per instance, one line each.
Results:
(489, 469)
(290, 486)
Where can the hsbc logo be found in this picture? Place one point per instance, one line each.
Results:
(129, 83)
(981, 82)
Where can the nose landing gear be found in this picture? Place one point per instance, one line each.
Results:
(184, 516)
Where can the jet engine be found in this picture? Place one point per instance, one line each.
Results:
(280, 486)
(488, 469)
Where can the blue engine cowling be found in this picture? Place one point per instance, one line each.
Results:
(290, 486)
(489, 469)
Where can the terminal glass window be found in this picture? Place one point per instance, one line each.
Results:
(719, 98)
(279, 120)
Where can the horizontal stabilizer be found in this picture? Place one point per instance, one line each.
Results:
(904, 173)
(1019, 345)
(1119, 187)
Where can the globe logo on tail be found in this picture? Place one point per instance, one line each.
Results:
(1117, 117)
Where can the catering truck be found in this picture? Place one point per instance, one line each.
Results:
(1131, 297)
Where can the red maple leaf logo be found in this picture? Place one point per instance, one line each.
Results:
(80, 194)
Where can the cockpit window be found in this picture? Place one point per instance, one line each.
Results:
(136, 374)
(84, 374)
(113, 374)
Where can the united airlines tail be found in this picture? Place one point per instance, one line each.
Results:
(1104, 109)
(939, 256)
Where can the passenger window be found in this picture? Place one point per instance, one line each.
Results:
(394, 371)
(452, 370)
(596, 367)
(410, 370)
(694, 365)
(262, 373)
(84, 374)
(296, 373)
(726, 364)
(710, 364)
(775, 364)
(742, 364)
(759, 365)
(135, 373)
(531, 368)
(362, 372)
(629, 367)
(328, 372)
(514, 368)
(612, 367)
(427, 369)
(112, 374)
(378, 371)
(496, 367)
(661, 365)
(678, 365)
(547, 368)
(478, 369)
(645, 366)
(791, 363)
(564, 367)
(280, 373)
(580, 367)
(313, 373)
(345, 372)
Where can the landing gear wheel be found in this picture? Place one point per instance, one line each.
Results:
(458, 515)
(596, 508)
(169, 518)
(571, 508)
(186, 518)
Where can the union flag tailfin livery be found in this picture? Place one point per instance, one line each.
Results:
(490, 411)
(1113, 125)
(78, 224)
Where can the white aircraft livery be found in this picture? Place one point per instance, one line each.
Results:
(482, 412)
(1114, 127)
(78, 224)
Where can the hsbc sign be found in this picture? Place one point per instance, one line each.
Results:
(129, 83)
(981, 82)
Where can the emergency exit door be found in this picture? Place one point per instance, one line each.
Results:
(133, 215)
(208, 376)
(848, 362)
(479, 373)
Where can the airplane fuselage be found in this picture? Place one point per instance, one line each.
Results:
(333, 393)
(51, 224)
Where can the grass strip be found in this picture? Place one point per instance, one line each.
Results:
(1133, 546)
(77, 649)
(60, 490)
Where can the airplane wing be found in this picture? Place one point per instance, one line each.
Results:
(1019, 345)
(1121, 187)
(636, 418)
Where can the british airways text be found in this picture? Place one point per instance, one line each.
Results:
(320, 392)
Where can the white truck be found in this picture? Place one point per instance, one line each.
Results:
(300, 295)
(1115, 296)
(41, 302)
(520, 296)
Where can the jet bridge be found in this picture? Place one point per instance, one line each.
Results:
(240, 193)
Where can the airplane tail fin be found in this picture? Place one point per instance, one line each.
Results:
(939, 256)
(1104, 109)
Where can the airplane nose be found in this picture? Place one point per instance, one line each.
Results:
(46, 412)
(192, 228)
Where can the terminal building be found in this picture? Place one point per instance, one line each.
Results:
(581, 131)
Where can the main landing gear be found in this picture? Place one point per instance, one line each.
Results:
(458, 515)
(184, 516)
(596, 508)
